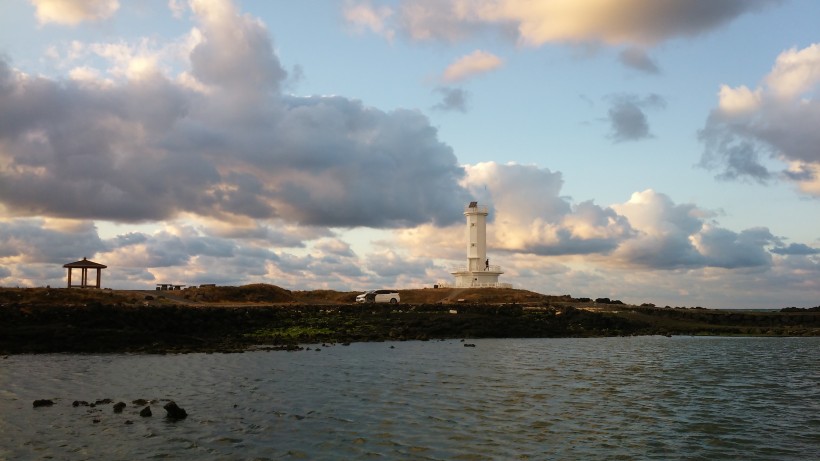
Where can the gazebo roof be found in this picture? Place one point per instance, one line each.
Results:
(86, 263)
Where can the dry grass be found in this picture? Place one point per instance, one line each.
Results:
(266, 294)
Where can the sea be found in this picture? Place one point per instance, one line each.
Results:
(625, 398)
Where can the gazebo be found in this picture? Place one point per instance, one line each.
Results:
(84, 265)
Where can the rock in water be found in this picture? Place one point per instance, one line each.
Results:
(174, 411)
(43, 403)
(146, 412)
(118, 407)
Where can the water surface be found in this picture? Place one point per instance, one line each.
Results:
(688, 398)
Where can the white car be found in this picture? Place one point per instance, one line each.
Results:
(379, 296)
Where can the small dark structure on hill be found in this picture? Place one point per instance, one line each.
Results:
(84, 265)
(169, 286)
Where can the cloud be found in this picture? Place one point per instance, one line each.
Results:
(627, 118)
(731, 250)
(32, 252)
(452, 99)
(637, 59)
(366, 17)
(628, 122)
(476, 63)
(530, 218)
(28, 241)
(177, 7)
(614, 22)
(217, 141)
(796, 249)
(234, 61)
(530, 215)
(72, 12)
(751, 131)
(671, 236)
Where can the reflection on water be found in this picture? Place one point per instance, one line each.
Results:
(610, 398)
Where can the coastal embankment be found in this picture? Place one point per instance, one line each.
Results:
(235, 319)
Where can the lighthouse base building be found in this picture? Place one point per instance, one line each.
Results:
(478, 273)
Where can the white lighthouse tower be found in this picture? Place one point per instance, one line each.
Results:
(478, 272)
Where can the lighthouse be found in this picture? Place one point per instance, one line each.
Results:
(478, 273)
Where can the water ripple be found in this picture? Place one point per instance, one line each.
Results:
(612, 398)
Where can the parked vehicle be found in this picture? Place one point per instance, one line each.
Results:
(379, 296)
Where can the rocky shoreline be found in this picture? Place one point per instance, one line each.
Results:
(97, 327)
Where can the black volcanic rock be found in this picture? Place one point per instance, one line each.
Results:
(146, 412)
(32, 321)
(174, 411)
(118, 407)
(43, 403)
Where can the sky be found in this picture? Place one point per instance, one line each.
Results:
(659, 151)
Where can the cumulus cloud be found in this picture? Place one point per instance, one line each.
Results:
(636, 58)
(752, 131)
(452, 99)
(627, 118)
(72, 12)
(672, 236)
(532, 217)
(220, 142)
(475, 63)
(641, 22)
(529, 218)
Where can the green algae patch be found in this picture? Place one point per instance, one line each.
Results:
(290, 333)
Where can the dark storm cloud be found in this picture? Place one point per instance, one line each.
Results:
(452, 99)
(150, 148)
(636, 58)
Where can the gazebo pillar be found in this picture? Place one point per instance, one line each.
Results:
(84, 265)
